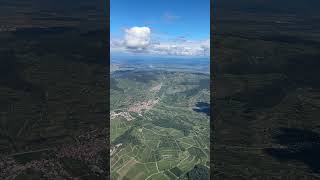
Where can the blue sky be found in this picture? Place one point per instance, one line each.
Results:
(166, 27)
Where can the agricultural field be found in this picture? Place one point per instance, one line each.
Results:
(159, 127)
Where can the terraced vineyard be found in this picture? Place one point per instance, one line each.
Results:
(159, 125)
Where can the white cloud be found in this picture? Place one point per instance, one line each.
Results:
(184, 48)
(117, 44)
(137, 38)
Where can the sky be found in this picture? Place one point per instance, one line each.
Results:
(160, 27)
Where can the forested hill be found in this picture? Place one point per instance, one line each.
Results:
(53, 89)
